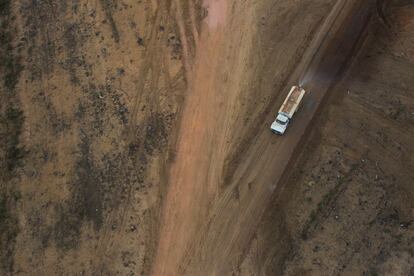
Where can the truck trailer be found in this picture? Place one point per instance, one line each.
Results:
(287, 110)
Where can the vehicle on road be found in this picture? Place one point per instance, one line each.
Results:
(287, 110)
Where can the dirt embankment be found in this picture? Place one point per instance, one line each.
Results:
(347, 206)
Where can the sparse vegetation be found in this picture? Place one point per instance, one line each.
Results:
(11, 123)
(373, 272)
(11, 118)
(17, 195)
(9, 63)
(155, 133)
(14, 152)
(107, 6)
(324, 205)
(4, 7)
(3, 211)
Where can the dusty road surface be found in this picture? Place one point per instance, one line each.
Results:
(134, 137)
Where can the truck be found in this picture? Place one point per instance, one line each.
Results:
(287, 110)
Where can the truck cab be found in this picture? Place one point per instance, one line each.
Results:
(280, 124)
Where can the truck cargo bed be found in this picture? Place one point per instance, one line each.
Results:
(292, 101)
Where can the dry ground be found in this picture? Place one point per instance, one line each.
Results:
(91, 95)
(347, 206)
(134, 139)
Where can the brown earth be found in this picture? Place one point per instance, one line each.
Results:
(135, 140)
(347, 205)
(100, 85)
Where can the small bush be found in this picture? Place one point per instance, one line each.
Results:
(14, 118)
(4, 7)
(3, 211)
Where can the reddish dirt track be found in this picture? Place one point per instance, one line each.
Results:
(195, 147)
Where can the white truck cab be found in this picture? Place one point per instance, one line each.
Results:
(287, 110)
(280, 124)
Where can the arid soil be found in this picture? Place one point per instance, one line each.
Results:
(134, 137)
(91, 96)
(347, 206)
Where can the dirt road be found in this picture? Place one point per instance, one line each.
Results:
(211, 213)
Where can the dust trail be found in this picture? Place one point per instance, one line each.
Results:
(330, 54)
(320, 39)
